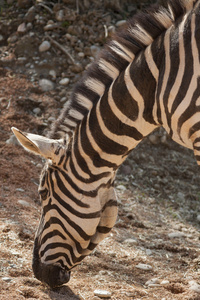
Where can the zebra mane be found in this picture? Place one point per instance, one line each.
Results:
(139, 32)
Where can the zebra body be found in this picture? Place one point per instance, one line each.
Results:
(146, 77)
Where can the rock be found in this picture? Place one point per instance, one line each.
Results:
(6, 279)
(94, 50)
(1, 37)
(24, 203)
(144, 267)
(102, 293)
(194, 286)
(154, 139)
(64, 81)
(60, 15)
(164, 282)
(121, 187)
(46, 85)
(77, 68)
(130, 242)
(20, 190)
(176, 234)
(30, 15)
(21, 28)
(148, 252)
(198, 218)
(12, 141)
(44, 46)
(153, 282)
(52, 73)
(37, 111)
(120, 23)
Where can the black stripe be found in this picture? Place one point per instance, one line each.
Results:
(114, 125)
(103, 229)
(89, 150)
(76, 227)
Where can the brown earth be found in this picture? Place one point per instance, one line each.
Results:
(158, 190)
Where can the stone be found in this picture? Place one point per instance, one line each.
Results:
(130, 242)
(46, 85)
(144, 267)
(176, 234)
(6, 279)
(64, 81)
(120, 23)
(21, 28)
(194, 286)
(198, 218)
(102, 293)
(45, 46)
(164, 282)
(52, 73)
(24, 203)
(94, 50)
(153, 281)
(12, 141)
(37, 111)
(30, 15)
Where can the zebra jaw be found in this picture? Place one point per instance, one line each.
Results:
(39, 145)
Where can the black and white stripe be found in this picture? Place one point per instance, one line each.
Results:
(147, 76)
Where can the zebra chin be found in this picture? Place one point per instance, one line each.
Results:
(53, 275)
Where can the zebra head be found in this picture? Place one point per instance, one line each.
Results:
(76, 215)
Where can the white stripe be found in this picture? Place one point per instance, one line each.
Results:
(165, 79)
(109, 69)
(192, 87)
(84, 101)
(181, 69)
(95, 85)
(122, 51)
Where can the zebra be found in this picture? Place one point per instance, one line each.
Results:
(146, 76)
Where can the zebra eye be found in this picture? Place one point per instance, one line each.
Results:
(43, 194)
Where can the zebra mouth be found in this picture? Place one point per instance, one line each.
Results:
(52, 274)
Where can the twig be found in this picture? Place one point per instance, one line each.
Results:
(46, 7)
(63, 49)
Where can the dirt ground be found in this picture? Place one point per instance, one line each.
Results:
(153, 252)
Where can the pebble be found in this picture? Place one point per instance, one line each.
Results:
(176, 234)
(164, 282)
(194, 286)
(44, 46)
(6, 279)
(121, 187)
(102, 293)
(120, 23)
(198, 218)
(37, 111)
(52, 73)
(153, 281)
(64, 81)
(30, 15)
(12, 141)
(46, 85)
(94, 50)
(21, 28)
(144, 267)
(20, 190)
(24, 203)
(130, 242)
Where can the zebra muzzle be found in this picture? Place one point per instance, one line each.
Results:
(52, 274)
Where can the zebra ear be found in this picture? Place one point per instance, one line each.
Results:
(39, 145)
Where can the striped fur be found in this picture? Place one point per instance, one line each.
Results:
(147, 76)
